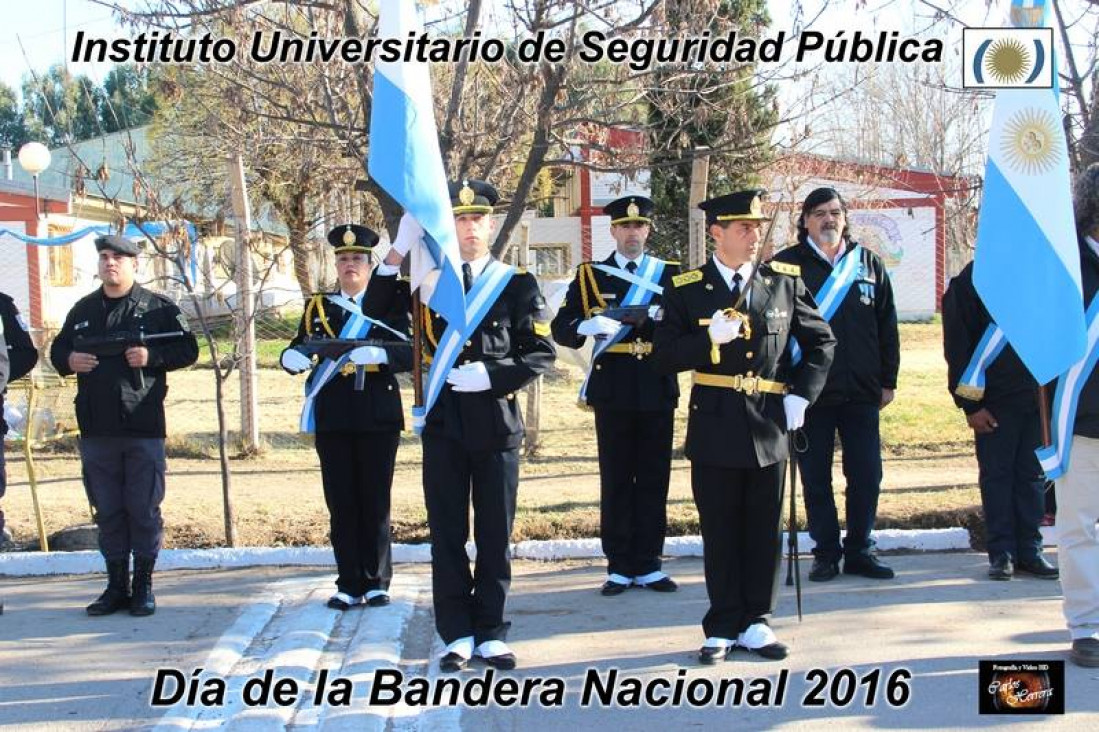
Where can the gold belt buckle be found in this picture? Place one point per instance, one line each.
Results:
(639, 348)
(749, 384)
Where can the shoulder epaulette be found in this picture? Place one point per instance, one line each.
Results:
(520, 270)
(793, 270)
(687, 278)
(671, 261)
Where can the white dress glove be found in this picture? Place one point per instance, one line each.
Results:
(599, 326)
(794, 406)
(368, 355)
(295, 361)
(722, 328)
(469, 378)
(409, 232)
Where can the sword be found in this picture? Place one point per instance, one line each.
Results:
(793, 570)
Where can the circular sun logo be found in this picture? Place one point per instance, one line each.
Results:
(1007, 61)
(1032, 141)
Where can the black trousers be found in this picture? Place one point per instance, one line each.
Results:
(857, 424)
(3, 476)
(740, 510)
(357, 473)
(1012, 484)
(635, 464)
(469, 603)
(124, 480)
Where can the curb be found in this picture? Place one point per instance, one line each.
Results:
(32, 564)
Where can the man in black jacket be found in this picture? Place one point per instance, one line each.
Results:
(356, 430)
(17, 357)
(999, 398)
(472, 434)
(120, 412)
(746, 397)
(851, 286)
(634, 406)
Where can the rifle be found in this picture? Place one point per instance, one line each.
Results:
(117, 343)
(634, 315)
(335, 348)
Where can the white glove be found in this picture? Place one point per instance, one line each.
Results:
(794, 406)
(295, 361)
(600, 326)
(469, 378)
(409, 232)
(723, 329)
(367, 355)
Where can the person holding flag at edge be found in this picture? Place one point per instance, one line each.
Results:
(1031, 250)
(488, 335)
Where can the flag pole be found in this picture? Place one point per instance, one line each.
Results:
(417, 350)
(1043, 415)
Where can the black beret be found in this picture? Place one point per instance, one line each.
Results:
(117, 244)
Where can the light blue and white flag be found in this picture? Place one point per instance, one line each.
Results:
(1027, 264)
(404, 159)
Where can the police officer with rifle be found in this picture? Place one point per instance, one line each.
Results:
(120, 412)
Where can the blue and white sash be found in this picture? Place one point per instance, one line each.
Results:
(1055, 458)
(356, 327)
(972, 384)
(644, 286)
(833, 292)
(479, 300)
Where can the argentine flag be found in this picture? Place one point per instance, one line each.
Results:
(404, 159)
(1027, 265)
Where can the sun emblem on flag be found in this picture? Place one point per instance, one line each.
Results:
(1032, 141)
(1007, 61)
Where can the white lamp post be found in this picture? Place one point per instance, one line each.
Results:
(34, 157)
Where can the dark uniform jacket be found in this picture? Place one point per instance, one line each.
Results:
(868, 346)
(108, 404)
(728, 428)
(377, 408)
(17, 353)
(619, 381)
(1087, 408)
(1008, 383)
(513, 341)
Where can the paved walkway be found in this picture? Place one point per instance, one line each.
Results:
(60, 668)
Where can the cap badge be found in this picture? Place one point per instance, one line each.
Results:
(466, 195)
(632, 211)
(348, 236)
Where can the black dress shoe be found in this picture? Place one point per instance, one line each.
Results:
(823, 570)
(503, 661)
(710, 655)
(1000, 567)
(378, 601)
(1038, 566)
(452, 662)
(772, 652)
(1085, 652)
(866, 565)
(664, 584)
(610, 589)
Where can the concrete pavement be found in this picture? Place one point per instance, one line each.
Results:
(859, 642)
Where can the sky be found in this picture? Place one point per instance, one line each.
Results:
(40, 25)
